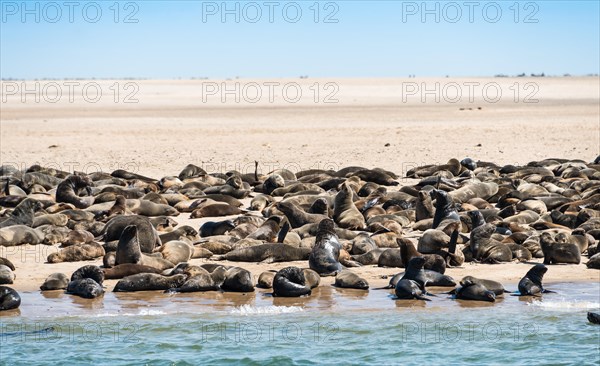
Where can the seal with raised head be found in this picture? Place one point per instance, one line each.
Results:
(290, 282)
(23, 214)
(9, 298)
(531, 283)
(68, 191)
(445, 211)
(296, 216)
(559, 252)
(494, 286)
(147, 235)
(324, 257)
(128, 251)
(237, 280)
(345, 213)
(486, 249)
(409, 289)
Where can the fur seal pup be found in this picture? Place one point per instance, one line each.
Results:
(211, 228)
(593, 318)
(89, 271)
(86, 288)
(324, 257)
(349, 279)
(237, 280)
(559, 252)
(128, 251)
(68, 191)
(77, 253)
(475, 291)
(290, 282)
(265, 279)
(7, 276)
(23, 214)
(267, 253)
(147, 235)
(9, 298)
(149, 282)
(345, 213)
(531, 283)
(409, 289)
(127, 269)
(56, 281)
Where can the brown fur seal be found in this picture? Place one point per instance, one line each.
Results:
(128, 251)
(128, 269)
(9, 298)
(265, 279)
(215, 210)
(68, 191)
(149, 282)
(531, 283)
(559, 252)
(345, 213)
(56, 281)
(86, 288)
(23, 214)
(7, 276)
(77, 253)
(147, 234)
(349, 279)
(237, 280)
(296, 216)
(324, 257)
(290, 282)
(486, 249)
(267, 253)
(176, 251)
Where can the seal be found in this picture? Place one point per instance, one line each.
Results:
(176, 251)
(7, 276)
(593, 318)
(86, 288)
(345, 213)
(128, 251)
(559, 252)
(118, 208)
(68, 191)
(56, 281)
(531, 283)
(149, 282)
(486, 249)
(78, 237)
(200, 280)
(493, 286)
(475, 291)
(6, 262)
(434, 262)
(23, 214)
(409, 289)
(237, 280)
(89, 271)
(266, 253)
(127, 269)
(445, 211)
(211, 228)
(20, 234)
(268, 230)
(594, 261)
(185, 231)
(290, 282)
(312, 278)
(296, 216)
(424, 209)
(265, 279)
(77, 253)
(147, 234)
(324, 256)
(415, 272)
(215, 210)
(349, 279)
(9, 298)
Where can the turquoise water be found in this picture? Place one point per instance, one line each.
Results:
(332, 327)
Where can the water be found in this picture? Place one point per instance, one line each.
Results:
(332, 327)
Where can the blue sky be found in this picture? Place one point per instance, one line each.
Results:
(370, 39)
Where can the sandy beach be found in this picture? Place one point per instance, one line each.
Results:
(171, 125)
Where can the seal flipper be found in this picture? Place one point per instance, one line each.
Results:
(544, 291)
(418, 297)
(283, 231)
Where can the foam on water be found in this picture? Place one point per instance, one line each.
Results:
(564, 304)
(253, 310)
(141, 312)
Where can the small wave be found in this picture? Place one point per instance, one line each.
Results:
(141, 312)
(565, 305)
(252, 310)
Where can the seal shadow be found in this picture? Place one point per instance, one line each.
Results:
(409, 304)
(351, 293)
(96, 303)
(476, 304)
(53, 294)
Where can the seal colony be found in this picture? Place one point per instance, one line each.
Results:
(333, 221)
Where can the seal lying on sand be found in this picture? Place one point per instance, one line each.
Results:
(290, 282)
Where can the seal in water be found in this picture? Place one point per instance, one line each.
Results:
(531, 284)
(475, 291)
